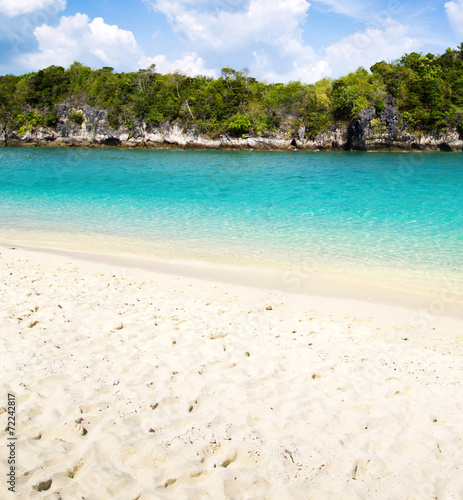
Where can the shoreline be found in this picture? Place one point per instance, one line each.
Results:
(420, 305)
(251, 144)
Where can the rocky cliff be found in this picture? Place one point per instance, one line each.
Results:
(370, 131)
(388, 132)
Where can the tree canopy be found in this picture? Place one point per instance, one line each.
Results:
(426, 89)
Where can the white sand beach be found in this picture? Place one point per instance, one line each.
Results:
(132, 384)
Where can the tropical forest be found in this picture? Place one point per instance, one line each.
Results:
(427, 91)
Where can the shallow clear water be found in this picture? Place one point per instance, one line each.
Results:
(387, 210)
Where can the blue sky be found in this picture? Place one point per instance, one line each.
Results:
(278, 40)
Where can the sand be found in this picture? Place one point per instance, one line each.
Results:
(132, 384)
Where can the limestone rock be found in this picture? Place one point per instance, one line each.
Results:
(370, 131)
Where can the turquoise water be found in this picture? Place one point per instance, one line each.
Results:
(351, 210)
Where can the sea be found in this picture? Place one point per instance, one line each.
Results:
(394, 217)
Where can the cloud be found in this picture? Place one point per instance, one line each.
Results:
(190, 64)
(19, 7)
(306, 73)
(370, 46)
(266, 34)
(455, 15)
(372, 12)
(95, 43)
(76, 38)
(351, 9)
(226, 29)
(19, 18)
(359, 49)
(271, 31)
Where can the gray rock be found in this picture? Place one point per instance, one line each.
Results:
(390, 116)
(369, 132)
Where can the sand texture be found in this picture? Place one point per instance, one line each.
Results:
(135, 385)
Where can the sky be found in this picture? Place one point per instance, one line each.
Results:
(276, 40)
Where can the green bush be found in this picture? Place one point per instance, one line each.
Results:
(379, 106)
(316, 122)
(77, 118)
(51, 119)
(113, 118)
(239, 125)
(155, 118)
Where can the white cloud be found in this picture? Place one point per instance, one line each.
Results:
(190, 64)
(13, 8)
(271, 32)
(370, 46)
(97, 44)
(306, 73)
(360, 49)
(455, 15)
(266, 35)
(266, 21)
(78, 39)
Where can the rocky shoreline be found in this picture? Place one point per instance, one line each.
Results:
(369, 132)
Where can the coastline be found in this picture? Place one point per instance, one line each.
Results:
(363, 285)
(356, 136)
(424, 144)
(138, 383)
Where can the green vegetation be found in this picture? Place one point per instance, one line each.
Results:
(239, 125)
(426, 89)
(77, 118)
